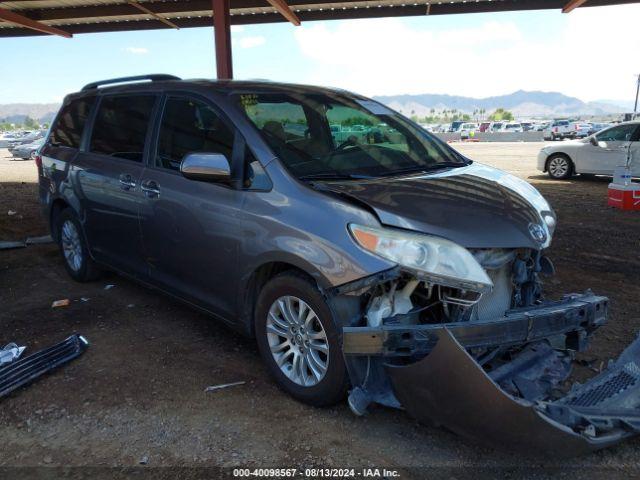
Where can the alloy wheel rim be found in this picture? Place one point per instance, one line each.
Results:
(298, 341)
(71, 245)
(558, 166)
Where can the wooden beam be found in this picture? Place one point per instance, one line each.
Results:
(285, 10)
(13, 17)
(178, 7)
(222, 38)
(572, 4)
(144, 9)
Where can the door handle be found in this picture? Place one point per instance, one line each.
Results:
(150, 188)
(126, 182)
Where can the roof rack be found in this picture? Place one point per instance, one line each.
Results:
(153, 77)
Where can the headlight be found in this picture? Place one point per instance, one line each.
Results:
(436, 259)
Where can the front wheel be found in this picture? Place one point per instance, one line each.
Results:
(559, 167)
(299, 341)
(73, 247)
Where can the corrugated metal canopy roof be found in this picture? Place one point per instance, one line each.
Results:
(85, 16)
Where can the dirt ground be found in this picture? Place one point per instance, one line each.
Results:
(138, 393)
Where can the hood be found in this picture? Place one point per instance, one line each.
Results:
(475, 206)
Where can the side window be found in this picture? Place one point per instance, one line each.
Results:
(191, 126)
(70, 122)
(621, 133)
(121, 126)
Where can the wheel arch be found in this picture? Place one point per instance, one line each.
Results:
(57, 206)
(258, 278)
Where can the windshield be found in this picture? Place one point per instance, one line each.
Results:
(331, 135)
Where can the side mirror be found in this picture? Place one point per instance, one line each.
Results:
(593, 140)
(206, 167)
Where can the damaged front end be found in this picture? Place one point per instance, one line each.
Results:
(491, 365)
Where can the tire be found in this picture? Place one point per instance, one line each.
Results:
(73, 248)
(559, 166)
(316, 378)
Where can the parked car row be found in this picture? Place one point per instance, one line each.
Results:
(561, 129)
(553, 130)
(465, 128)
(12, 140)
(6, 137)
(28, 150)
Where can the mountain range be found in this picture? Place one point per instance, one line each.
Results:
(17, 112)
(520, 103)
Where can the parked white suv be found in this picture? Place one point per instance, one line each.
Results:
(557, 130)
(512, 127)
(598, 154)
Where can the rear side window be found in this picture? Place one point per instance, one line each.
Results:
(121, 125)
(67, 129)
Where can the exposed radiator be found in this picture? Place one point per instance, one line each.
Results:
(494, 304)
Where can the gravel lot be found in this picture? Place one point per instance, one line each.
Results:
(138, 392)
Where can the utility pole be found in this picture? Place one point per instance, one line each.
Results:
(635, 105)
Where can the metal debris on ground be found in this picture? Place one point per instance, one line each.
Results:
(25, 370)
(109, 287)
(84, 299)
(213, 388)
(65, 302)
(39, 240)
(6, 245)
(11, 213)
(10, 353)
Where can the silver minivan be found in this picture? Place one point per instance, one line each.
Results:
(381, 265)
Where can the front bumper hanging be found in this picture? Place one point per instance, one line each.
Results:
(449, 388)
(428, 370)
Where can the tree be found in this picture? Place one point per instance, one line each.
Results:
(30, 123)
(501, 114)
(507, 116)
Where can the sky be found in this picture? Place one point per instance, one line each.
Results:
(591, 53)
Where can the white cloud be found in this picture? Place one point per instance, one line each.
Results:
(251, 42)
(591, 56)
(237, 28)
(137, 50)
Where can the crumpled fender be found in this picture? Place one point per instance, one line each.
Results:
(449, 388)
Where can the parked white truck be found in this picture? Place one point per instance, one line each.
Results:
(558, 130)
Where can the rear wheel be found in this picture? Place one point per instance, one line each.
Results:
(299, 341)
(559, 167)
(73, 247)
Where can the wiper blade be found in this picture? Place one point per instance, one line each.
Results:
(333, 176)
(427, 168)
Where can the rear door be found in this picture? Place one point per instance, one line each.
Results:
(190, 228)
(109, 175)
(611, 152)
(61, 147)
